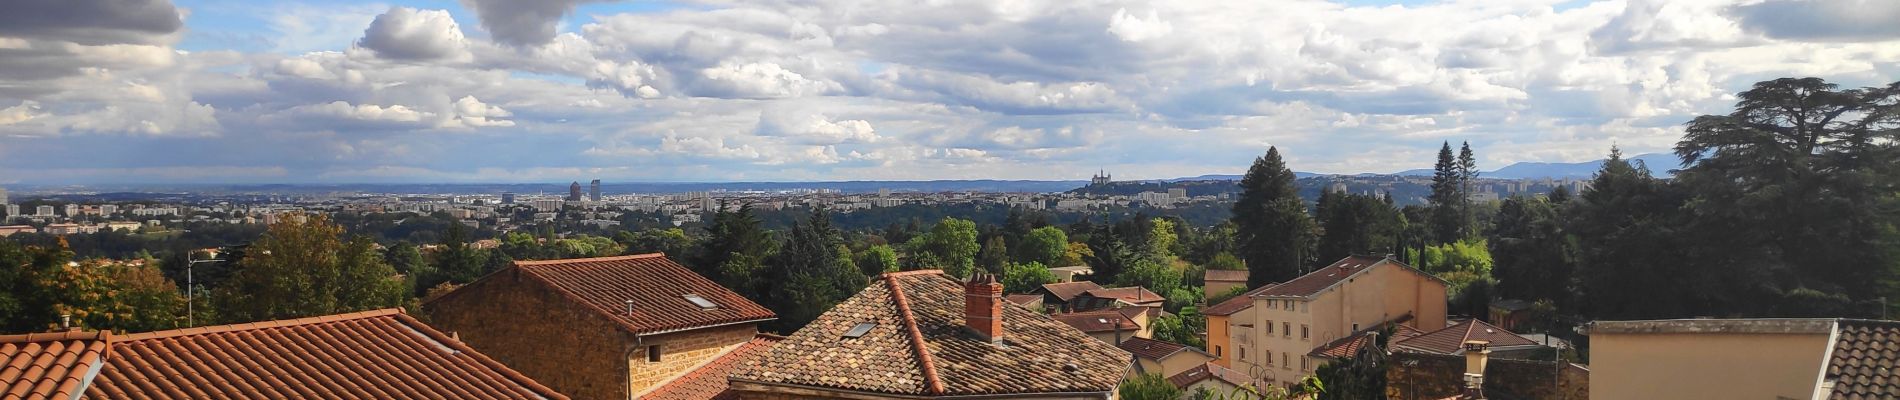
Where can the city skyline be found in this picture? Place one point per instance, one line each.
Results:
(432, 91)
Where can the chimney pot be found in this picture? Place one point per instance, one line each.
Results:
(983, 306)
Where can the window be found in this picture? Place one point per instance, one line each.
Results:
(859, 330)
(1303, 332)
(1270, 304)
(1286, 329)
(701, 302)
(653, 353)
(1289, 305)
(1269, 357)
(1243, 353)
(1269, 327)
(1285, 362)
(1303, 364)
(1217, 351)
(1355, 327)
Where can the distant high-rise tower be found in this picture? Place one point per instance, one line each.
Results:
(593, 191)
(3, 196)
(1101, 178)
(507, 197)
(574, 191)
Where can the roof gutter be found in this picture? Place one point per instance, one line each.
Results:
(698, 327)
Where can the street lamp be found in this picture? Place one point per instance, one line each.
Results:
(191, 298)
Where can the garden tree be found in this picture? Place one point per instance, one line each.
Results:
(524, 246)
(1530, 251)
(1272, 230)
(1225, 261)
(408, 260)
(1148, 386)
(126, 296)
(1173, 329)
(1632, 261)
(1046, 245)
(672, 241)
(950, 245)
(1026, 277)
(1355, 224)
(1204, 245)
(456, 261)
(810, 274)
(877, 259)
(21, 309)
(301, 267)
(1156, 275)
(1467, 171)
(994, 255)
(584, 246)
(1161, 239)
(1217, 298)
(1076, 254)
(736, 245)
(1447, 198)
(1799, 183)
(1469, 255)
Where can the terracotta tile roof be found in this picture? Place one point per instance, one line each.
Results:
(709, 381)
(1068, 290)
(1023, 298)
(1131, 295)
(1864, 364)
(1451, 340)
(1318, 280)
(1222, 275)
(1349, 345)
(54, 365)
(382, 354)
(1236, 304)
(657, 286)
(1153, 349)
(1097, 321)
(920, 347)
(1210, 370)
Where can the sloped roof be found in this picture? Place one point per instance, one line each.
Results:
(1209, 370)
(1451, 340)
(1236, 304)
(1864, 363)
(919, 346)
(54, 365)
(1023, 298)
(1223, 275)
(656, 285)
(1152, 349)
(1097, 321)
(1349, 345)
(382, 354)
(1130, 295)
(709, 381)
(1320, 279)
(1066, 291)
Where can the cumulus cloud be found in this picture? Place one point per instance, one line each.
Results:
(1826, 20)
(1134, 28)
(521, 23)
(92, 22)
(409, 34)
(814, 128)
(761, 80)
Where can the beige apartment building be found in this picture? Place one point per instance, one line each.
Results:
(1745, 359)
(1290, 320)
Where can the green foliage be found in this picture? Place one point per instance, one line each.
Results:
(1156, 275)
(1161, 239)
(1026, 277)
(1046, 245)
(950, 245)
(1226, 261)
(1355, 224)
(1531, 251)
(1171, 328)
(1273, 233)
(672, 241)
(1229, 294)
(301, 267)
(1470, 255)
(733, 251)
(1148, 387)
(877, 260)
(994, 256)
(812, 273)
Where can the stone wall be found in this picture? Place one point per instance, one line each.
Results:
(538, 332)
(681, 351)
(1431, 376)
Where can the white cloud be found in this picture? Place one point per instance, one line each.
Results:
(409, 34)
(1134, 28)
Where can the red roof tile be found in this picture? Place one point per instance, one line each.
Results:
(655, 284)
(1023, 298)
(1451, 340)
(1222, 275)
(380, 354)
(918, 346)
(1319, 280)
(1152, 349)
(1210, 370)
(1097, 321)
(1864, 364)
(1349, 345)
(1068, 290)
(709, 381)
(49, 365)
(1236, 304)
(1131, 295)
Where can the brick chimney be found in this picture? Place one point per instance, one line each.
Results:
(983, 306)
(1477, 354)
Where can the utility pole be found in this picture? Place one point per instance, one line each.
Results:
(191, 286)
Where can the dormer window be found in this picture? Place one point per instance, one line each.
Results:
(859, 330)
(701, 302)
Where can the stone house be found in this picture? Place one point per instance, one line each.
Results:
(1228, 324)
(923, 335)
(1217, 282)
(1163, 358)
(602, 328)
(1109, 326)
(1292, 319)
(1216, 379)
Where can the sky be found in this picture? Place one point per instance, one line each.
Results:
(347, 91)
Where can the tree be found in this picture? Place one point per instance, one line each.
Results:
(877, 260)
(1046, 245)
(1530, 251)
(1172, 328)
(810, 273)
(301, 267)
(1359, 377)
(1798, 184)
(736, 245)
(1272, 229)
(1632, 260)
(672, 241)
(1026, 277)
(1447, 198)
(1355, 224)
(994, 255)
(950, 245)
(1148, 387)
(1156, 275)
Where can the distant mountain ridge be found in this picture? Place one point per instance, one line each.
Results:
(1660, 165)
